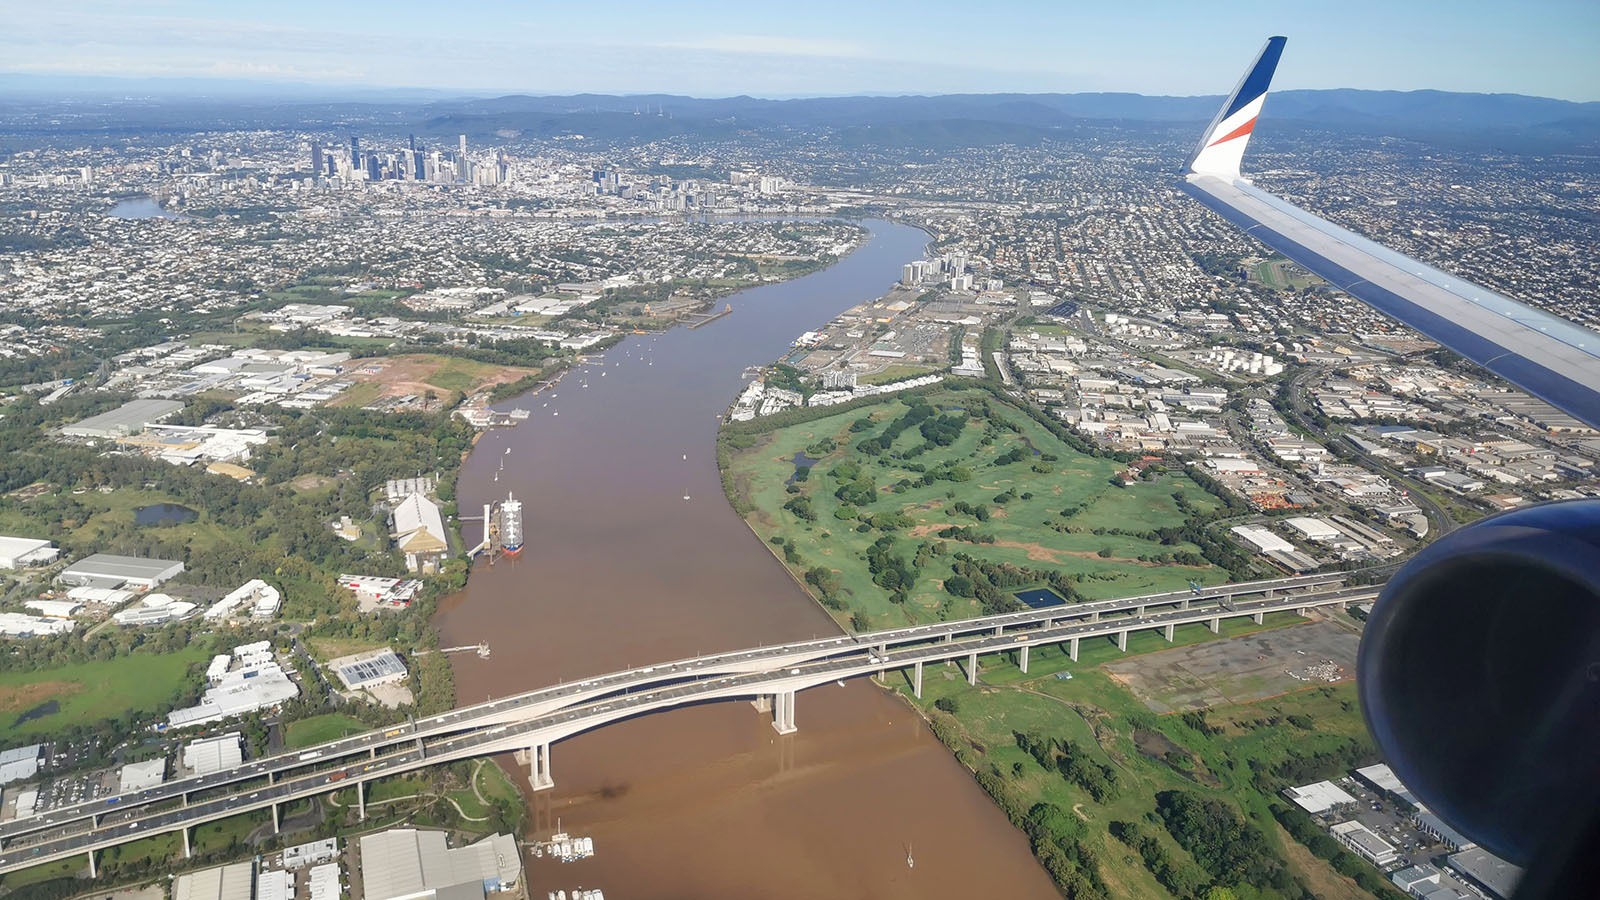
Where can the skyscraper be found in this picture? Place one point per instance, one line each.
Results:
(411, 142)
(355, 152)
(316, 158)
(463, 145)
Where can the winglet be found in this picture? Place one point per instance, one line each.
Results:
(1223, 144)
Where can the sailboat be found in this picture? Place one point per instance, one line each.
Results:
(910, 863)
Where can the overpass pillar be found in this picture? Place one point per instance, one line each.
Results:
(1094, 616)
(275, 825)
(361, 800)
(916, 680)
(1260, 617)
(188, 851)
(1167, 631)
(1022, 661)
(1122, 640)
(372, 752)
(762, 703)
(1301, 611)
(949, 637)
(972, 669)
(1215, 624)
(539, 767)
(1139, 610)
(999, 630)
(1271, 592)
(1184, 603)
(93, 871)
(783, 713)
(1072, 649)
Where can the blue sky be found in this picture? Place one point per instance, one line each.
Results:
(817, 47)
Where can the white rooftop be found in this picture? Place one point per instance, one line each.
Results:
(1319, 797)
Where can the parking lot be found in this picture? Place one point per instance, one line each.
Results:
(1393, 824)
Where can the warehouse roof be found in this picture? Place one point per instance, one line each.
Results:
(404, 862)
(231, 882)
(105, 566)
(382, 665)
(1318, 797)
(128, 418)
(1487, 869)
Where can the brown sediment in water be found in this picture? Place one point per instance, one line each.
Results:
(619, 570)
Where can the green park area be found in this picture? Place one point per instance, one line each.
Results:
(1120, 801)
(46, 700)
(945, 505)
(320, 730)
(1282, 274)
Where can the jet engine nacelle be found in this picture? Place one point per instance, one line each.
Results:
(1480, 680)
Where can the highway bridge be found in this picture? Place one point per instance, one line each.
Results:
(528, 723)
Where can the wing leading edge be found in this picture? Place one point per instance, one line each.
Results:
(1550, 357)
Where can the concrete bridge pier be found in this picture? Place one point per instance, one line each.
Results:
(762, 703)
(1184, 603)
(1215, 624)
(783, 713)
(94, 872)
(916, 680)
(188, 851)
(1139, 611)
(972, 668)
(1301, 611)
(1094, 616)
(1167, 632)
(361, 800)
(1122, 640)
(1072, 649)
(275, 825)
(1260, 618)
(1022, 659)
(999, 630)
(949, 637)
(539, 767)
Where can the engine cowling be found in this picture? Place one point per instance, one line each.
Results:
(1479, 675)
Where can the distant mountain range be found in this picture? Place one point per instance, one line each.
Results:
(1481, 121)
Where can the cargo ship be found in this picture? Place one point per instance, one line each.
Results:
(509, 514)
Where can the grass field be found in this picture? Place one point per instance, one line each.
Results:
(1282, 274)
(320, 730)
(101, 514)
(1029, 529)
(92, 691)
(894, 373)
(1149, 753)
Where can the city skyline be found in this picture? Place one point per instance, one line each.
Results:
(717, 50)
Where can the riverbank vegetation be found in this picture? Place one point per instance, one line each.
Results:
(1119, 802)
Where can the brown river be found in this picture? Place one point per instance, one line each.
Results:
(620, 570)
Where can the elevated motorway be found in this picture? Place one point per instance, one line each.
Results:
(528, 723)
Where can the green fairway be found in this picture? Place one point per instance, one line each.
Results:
(320, 730)
(1042, 505)
(94, 691)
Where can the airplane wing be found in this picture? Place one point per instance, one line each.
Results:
(1549, 357)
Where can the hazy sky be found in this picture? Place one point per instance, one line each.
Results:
(812, 47)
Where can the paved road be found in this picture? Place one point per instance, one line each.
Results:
(482, 735)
